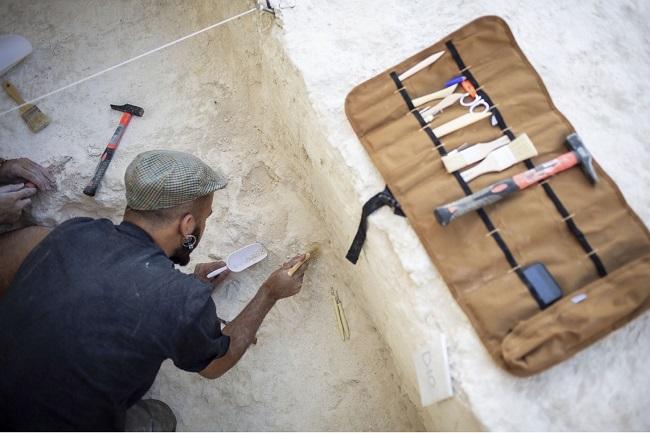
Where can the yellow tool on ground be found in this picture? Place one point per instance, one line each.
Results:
(341, 320)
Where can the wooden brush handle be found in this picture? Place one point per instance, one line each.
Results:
(292, 270)
(13, 92)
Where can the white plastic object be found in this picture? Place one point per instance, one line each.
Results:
(477, 102)
(242, 259)
(13, 49)
(432, 370)
(420, 65)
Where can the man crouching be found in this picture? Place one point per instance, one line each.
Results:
(96, 308)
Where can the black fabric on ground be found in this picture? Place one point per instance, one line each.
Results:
(92, 313)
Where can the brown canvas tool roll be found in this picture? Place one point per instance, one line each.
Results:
(586, 235)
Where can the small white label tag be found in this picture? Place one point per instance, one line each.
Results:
(432, 368)
(579, 298)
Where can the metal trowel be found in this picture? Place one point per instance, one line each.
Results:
(242, 259)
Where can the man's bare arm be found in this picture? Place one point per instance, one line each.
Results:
(243, 328)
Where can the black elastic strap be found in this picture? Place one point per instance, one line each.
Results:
(384, 198)
(402, 90)
(571, 225)
(501, 243)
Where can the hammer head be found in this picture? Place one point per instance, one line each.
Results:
(575, 144)
(128, 108)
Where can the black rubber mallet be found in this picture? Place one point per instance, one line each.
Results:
(129, 111)
(499, 190)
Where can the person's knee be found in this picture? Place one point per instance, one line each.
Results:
(14, 248)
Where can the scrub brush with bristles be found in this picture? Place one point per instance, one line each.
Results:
(519, 149)
(312, 252)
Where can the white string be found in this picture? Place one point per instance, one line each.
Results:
(97, 74)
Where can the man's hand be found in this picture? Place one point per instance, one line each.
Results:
(13, 199)
(203, 269)
(280, 285)
(26, 171)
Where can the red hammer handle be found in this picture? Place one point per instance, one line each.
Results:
(107, 156)
(545, 170)
(500, 190)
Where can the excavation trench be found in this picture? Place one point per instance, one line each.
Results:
(231, 97)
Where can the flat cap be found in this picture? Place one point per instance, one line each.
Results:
(160, 179)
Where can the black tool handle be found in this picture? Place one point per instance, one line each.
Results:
(488, 195)
(104, 162)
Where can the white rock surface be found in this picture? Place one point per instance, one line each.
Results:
(207, 96)
(592, 57)
(264, 101)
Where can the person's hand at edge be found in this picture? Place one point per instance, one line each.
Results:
(202, 270)
(13, 199)
(26, 171)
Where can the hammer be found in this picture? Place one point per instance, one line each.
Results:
(129, 111)
(499, 190)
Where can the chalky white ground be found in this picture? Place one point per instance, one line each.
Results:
(263, 100)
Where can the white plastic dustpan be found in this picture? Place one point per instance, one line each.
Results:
(13, 49)
(242, 258)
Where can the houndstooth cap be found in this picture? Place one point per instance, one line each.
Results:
(160, 179)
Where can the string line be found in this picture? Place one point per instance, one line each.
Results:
(97, 74)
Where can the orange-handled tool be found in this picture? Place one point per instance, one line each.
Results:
(499, 190)
(129, 111)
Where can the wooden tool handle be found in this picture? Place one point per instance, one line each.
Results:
(344, 321)
(337, 314)
(482, 167)
(292, 270)
(491, 194)
(460, 122)
(13, 92)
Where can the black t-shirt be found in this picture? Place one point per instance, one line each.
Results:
(92, 313)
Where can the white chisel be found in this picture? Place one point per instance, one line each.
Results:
(420, 65)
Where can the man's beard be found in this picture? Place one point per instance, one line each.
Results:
(181, 255)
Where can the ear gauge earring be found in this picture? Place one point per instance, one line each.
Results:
(189, 242)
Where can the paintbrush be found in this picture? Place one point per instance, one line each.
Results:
(31, 114)
(519, 149)
(311, 254)
(467, 155)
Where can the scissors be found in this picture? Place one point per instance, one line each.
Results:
(469, 88)
(477, 102)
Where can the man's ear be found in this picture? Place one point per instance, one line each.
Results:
(187, 225)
